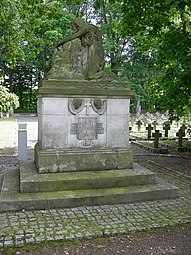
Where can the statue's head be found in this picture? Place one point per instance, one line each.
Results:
(77, 24)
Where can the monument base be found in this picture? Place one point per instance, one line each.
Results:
(73, 189)
(53, 161)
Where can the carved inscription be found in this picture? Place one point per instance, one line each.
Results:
(87, 128)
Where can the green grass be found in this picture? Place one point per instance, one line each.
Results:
(186, 143)
(7, 119)
(147, 143)
(171, 143)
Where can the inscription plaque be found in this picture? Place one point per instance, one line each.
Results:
(87, 128)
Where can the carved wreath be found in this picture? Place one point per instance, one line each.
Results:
(76, 105)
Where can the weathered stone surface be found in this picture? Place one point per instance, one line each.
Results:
(82, 160)
(82, 56)
(31, 181)
(63, 125)
(66, 62)
(85, 88)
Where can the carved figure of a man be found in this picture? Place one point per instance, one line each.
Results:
(91, 41)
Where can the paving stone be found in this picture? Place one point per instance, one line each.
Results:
(19, 243)
(70, 237)
(19, 237)
(40, 239)
(30, 235)
(29, 241)
(79, 236)
(107, 233)
(89, 235)
(8, 243)
(59, 237)
(50, 238)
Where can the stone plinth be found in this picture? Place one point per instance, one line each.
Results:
(83, 155)
(83, 125)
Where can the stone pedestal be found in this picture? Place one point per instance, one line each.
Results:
(83, 155)
(83, 125)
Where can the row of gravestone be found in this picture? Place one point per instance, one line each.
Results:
(156, 119)
(157, 134)
(166, 126)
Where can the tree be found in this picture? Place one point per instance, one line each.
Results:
(30, 29)
(162, 29)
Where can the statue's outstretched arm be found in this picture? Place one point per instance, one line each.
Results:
(80, 33)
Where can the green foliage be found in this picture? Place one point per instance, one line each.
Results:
(8, 101)
(11, 32)
(123, 55)
(162, 29)
(147, 44)
(29, 31)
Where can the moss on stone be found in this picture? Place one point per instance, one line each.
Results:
(77, 87)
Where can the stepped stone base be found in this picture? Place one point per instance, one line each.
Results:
(31, 181)
(26, 189)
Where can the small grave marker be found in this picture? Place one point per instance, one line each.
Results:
(156, 136)
(155, 124)
(180, 134)
(145, 120)
(139, 123)
(166, 128)
(149, 129)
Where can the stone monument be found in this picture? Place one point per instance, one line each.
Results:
(83, 156)
(83, 112)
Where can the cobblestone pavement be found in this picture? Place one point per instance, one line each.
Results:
(29, 227)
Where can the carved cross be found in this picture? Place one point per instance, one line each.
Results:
(87, 104)
(180, 134)
(149, 129)
(166, 128)
(156, 136)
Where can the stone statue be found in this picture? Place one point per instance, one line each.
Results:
(79, 56)
(91, 41)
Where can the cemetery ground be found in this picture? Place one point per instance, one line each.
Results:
(153, 227)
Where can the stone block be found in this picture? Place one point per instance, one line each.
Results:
(54, 132)
(31, 181)
(118, 106)
(85, 121)
(54, 105)
(82, 160)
